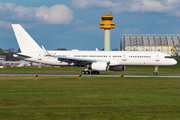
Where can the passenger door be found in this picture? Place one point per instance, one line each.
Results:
(124, 57)
(39, 57)
(157, 58)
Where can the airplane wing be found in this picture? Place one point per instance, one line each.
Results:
(75, 61)
(78, 61)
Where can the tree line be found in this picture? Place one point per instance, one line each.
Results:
(9, 54)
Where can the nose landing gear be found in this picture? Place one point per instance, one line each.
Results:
(156, 70)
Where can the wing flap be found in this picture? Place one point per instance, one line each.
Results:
(76, 61)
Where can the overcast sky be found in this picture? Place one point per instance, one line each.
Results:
(74, 24)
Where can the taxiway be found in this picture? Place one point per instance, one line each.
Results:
(74, 75)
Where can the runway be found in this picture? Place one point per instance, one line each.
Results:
(75, 75)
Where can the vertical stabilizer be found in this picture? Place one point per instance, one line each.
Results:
(25, 41)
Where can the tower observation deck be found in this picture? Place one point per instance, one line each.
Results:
(107, 24)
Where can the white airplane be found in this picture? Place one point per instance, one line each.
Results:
(93, 60)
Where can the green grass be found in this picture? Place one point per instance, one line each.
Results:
(89, 98)
(43, 70)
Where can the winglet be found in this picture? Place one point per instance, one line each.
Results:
(97, 49)
(45, 51)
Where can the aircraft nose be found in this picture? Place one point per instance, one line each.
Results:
(174, 62)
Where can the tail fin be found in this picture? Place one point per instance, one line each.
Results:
(26, 43)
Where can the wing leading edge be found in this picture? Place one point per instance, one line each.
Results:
(78, 61)
(75, 61)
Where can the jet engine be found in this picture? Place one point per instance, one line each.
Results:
(117, 68)
(100, 66)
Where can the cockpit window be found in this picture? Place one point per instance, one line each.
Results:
(167, 57)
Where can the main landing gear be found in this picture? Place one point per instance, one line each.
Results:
(88, 72)
(156, 70)
(92, 72)
(85, 72)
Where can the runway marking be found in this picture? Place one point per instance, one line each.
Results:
(75, 75)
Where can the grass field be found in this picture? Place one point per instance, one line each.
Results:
(54, 98)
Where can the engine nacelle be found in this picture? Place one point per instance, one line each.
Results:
(117, 68)
(100, 66)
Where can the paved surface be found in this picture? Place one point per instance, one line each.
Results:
(178, 76)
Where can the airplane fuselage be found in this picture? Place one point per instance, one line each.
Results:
(115, 58)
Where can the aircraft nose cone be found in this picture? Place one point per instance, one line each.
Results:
(174, 62)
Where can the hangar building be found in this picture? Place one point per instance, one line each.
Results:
(163, 43)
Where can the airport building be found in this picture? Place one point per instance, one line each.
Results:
(2, 59)
(169, 44)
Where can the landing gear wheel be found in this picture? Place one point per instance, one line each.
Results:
(82, 72)
(155, 73)
(95, 72)
(85, 72)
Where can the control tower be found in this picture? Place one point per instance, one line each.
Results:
(107, 24)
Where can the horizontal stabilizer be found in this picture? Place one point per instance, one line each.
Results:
(21, 55)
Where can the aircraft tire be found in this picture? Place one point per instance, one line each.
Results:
(82, 72)
(92, 72)
(87, 72)
(155, 73)
(95, 72)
